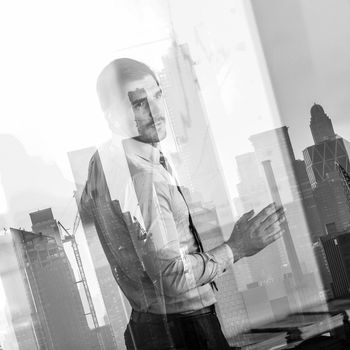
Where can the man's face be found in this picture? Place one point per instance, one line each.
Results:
(147, 104)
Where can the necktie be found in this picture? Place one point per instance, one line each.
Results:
(164, 163)
(167, 167)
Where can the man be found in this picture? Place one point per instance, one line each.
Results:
(147, 231)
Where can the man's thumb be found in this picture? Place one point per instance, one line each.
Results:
(246, 216)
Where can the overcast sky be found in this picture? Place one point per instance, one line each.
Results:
(55, 51)
(306, 44)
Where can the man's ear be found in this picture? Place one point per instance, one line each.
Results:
(110, 120)
(122, 122)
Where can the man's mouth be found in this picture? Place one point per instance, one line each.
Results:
(159, 122)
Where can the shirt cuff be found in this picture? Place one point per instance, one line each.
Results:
(223, 256)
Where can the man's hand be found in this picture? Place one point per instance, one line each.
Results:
(253, 233)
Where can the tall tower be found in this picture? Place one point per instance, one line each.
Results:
(57, 312)
(20, 328)
(199, 170)
(117, 307)
(321, 125)
(320, 160)
(274, 147)
(252, 188)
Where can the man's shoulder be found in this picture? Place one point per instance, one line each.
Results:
(95, 183)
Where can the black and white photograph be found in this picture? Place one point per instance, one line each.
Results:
(175, 175)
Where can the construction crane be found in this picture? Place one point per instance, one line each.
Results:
(70, 237)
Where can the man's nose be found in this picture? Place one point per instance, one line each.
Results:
(155, 108)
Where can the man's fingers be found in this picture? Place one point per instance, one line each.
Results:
(277, 217)
(278, 211)
(268, 210)
(264, 214)
(262, 222)
(271, 231)
(273, 237)
(246, 217)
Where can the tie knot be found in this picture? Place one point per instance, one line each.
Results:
(162, 160)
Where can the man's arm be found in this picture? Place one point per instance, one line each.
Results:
(252, 233)
(175, 270)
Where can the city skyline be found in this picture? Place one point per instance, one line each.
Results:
(304, 47)
(243, 70)
(48, 309)
(314, 32)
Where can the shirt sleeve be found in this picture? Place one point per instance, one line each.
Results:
(173, 269)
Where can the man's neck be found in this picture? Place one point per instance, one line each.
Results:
(154, 144)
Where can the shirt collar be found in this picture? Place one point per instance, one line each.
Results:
(146, 151)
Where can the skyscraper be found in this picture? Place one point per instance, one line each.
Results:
(199, 170)
(295, 192)
(20, 327)
(336, 247)
(275, 146)
(253, 194)
(57, 312)
(117, 307)
(346, 181)
(197, 163)
(321, 125)
(314, 223)
(295, 255)
(252, 188)
(324, 177)
(315, 226)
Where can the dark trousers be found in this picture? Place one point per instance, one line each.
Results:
(197, 331)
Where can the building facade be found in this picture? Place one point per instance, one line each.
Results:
(199, 170)
(325, 180)
(116, 306)
(337, 250)
(57, 316)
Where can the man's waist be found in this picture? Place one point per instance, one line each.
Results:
(147, 317)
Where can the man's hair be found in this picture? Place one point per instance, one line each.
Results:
(115, 75)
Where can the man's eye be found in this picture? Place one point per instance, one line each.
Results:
(140, 104)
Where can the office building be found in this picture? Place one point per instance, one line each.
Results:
(274, 146)
(315, 226)
(116, 307)
(252, 188)
(345, 176)
(313, 219)
(337, 250)
(20, 326)
(196, 160)
(253, 194)
(198, 169)
(286, 180)
(326, 182)
(57, 316)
